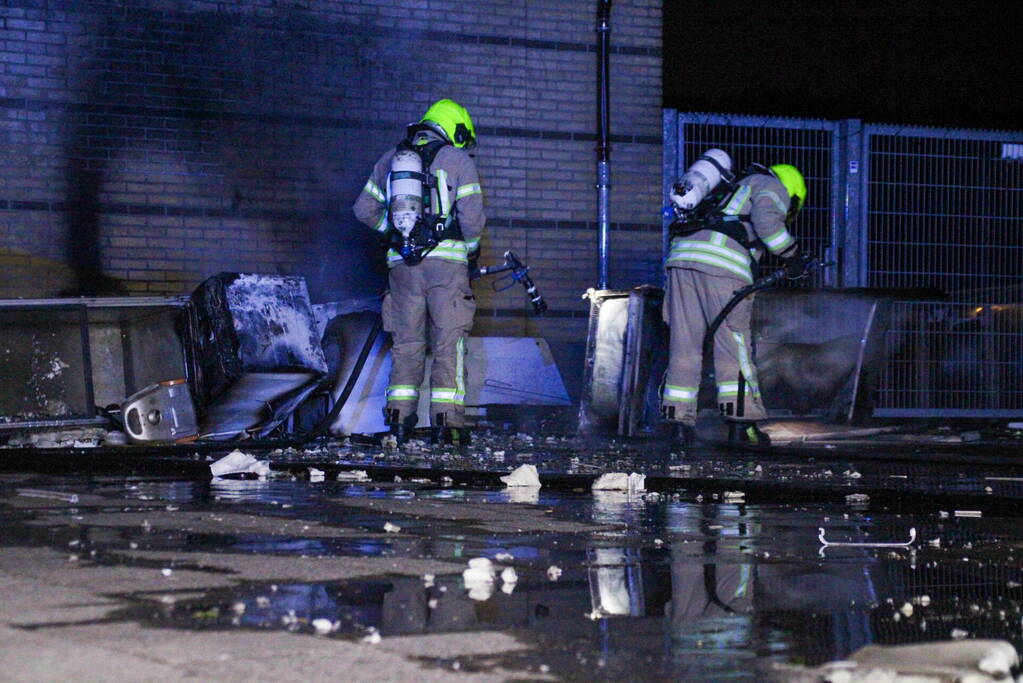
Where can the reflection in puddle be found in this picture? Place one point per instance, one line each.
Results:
(676, 589)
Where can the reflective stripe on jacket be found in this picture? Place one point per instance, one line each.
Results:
(765, 201)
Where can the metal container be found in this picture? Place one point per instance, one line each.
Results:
(161, 412)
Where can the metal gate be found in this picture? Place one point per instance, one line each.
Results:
(909, 209)
(807, 144)
(943, 210)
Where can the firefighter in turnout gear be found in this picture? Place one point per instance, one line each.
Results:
(713, 249)
(424, 198)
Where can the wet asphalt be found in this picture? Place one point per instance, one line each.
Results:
(687, 581)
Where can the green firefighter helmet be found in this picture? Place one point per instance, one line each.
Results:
(794, 184)
(453, 121)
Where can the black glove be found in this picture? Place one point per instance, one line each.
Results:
(474, 260)
(797, 265)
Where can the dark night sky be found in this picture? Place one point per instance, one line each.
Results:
(903, 61)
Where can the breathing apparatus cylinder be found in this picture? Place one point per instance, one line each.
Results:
(406, 190)
(700, 179)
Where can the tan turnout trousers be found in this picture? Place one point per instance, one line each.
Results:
(692, 301)
(433, 296)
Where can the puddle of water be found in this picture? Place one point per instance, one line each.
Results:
(674, 589)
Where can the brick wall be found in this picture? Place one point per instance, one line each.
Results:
(145, 145)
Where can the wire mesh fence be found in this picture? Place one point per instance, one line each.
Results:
(806, 144)
(905, 208)
(943, 211)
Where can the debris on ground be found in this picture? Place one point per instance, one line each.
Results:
(237, 462)
(353, 475)
(523, 475)
(964, 660)
(479, 578)
(620, 481)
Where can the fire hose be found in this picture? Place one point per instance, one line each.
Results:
(803, 268)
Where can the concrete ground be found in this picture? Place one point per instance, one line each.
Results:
(63, 609)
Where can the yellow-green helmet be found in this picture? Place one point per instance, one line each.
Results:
(453, 121)
(793, 181)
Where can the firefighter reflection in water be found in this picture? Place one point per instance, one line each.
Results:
(823, 607)
(725, 225)
(424, 197)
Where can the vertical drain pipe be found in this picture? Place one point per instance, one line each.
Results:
(603, 133)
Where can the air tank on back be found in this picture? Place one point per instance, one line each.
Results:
(406, 190)
(700, 179)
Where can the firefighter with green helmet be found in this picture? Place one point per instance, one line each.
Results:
(424, 198)
(725, 226)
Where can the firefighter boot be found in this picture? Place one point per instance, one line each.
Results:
(400, 429)
(441, 434)
(683, 435)
(748, 432)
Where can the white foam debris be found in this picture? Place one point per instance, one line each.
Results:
(166, 571)
(238, 608)
(907, 610)
(391, 528)
(355, 475)
(967, 513)
(373, 637)
(237, 462)
(509, 575)
(733, 497)
(322, 626)
(554, 572)
(620, 481)
(504, 557)
(479, 578)
(964, 660)
(523, 475)
(958, 634)
(316, 475)
(857, 499)
(428, 580)
(57, 368)
(999, 660)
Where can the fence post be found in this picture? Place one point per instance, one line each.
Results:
(670, 171)
(850, 198)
